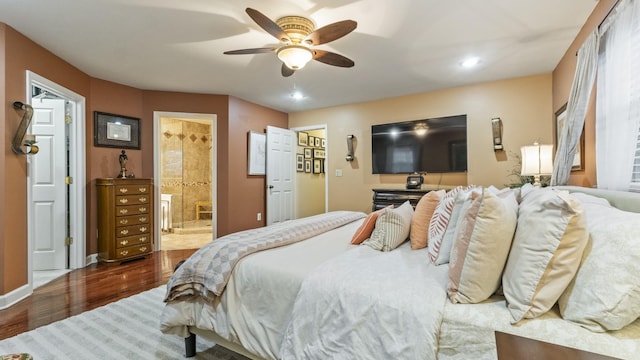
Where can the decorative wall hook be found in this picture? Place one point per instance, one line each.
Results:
(350, 156)
(496, 130)
(21, 138)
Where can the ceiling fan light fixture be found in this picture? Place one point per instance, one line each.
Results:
(295, 56)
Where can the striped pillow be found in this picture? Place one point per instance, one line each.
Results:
(439, 221)
(392, 228)
(364, 231)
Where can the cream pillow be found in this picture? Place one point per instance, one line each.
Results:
(460, 206)
(547, 249)
(392, 228)
(419, 235)
(439, 222)
(481, 246)
(605, 293)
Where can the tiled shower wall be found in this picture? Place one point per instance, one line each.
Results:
(185, 167)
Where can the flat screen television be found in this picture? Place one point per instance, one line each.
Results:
(437, 145)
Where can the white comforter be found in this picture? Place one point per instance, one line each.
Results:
(367, 304)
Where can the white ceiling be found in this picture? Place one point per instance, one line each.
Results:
(399, 47)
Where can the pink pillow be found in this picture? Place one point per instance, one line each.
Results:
(421, 218)
(365, 230)
(439, 221)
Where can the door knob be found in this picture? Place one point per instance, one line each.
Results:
(270, 186)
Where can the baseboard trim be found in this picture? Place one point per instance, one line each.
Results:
(15, 296)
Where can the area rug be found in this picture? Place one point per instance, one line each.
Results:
(126, 329)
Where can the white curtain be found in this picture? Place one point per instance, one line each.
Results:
(576, 109)
(618, 95)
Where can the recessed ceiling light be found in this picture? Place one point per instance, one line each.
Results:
(470, 62)
(297, 95)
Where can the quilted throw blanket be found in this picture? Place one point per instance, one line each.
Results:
(207, 271)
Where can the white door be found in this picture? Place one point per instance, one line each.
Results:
(47, 172)
(280, 174)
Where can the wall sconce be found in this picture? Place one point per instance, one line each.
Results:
(536, 161)
(350, 157)
(496, 129)
(21, 138)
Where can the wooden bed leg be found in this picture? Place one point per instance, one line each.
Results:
(190, 345)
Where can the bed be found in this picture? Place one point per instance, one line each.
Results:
(314, 295)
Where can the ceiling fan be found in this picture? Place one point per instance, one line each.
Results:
(298, 36)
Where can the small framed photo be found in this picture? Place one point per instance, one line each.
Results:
(307, 165)
(303, 138)
(299, 163)
(317, 166)
(117, 131)
(317, 140)
(323, 143)
(312, 141)
(256, 162)
(318, 154)
(308, 153)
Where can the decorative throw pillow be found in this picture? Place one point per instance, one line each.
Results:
(419, 235)
(364, 231)
(392, 228)
(463, 199)
(439, 221)
(546, 253)
(481, 246)
(605, 293)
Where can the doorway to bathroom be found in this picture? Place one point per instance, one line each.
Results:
(185, 158)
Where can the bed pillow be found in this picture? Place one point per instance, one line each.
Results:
(439, 222)
(546, 253)
(392, 228)
(462, 198)
(364, 231)
(419, 235)
(605, 293)
(481, 246)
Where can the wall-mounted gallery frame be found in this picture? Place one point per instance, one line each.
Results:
(116, 131)
(256, 153)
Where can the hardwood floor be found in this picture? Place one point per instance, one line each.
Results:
(88, 288)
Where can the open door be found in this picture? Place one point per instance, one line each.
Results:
(280, 175)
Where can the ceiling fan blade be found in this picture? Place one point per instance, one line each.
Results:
(331, 32)
(286, 71)
(250, 51)
(268, 25)
(331, 58)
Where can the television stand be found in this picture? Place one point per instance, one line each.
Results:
(396, 197)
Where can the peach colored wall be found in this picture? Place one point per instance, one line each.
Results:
(21, 54)
(562, 80)
(249, 191)
(523, 104)
(4, 140)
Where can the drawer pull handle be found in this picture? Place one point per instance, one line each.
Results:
(124, 252)
(143, 249)
(142, 199)
(124, 222)
(142, 189)
(124, 232)
(124, 190)
(142, 219)
(142, 239)
(142, 209)
(124, 242)
(143, 229)
(124, 201)
(123, 211)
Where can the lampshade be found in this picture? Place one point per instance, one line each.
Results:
(537, 160)
(295, 56)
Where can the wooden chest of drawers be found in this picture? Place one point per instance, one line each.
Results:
(125, 219)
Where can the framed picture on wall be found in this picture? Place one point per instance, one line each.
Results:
(578, 160)
(307, 165)
(323, 143)
(308, 153)
(117, 131)
(257, 150)
(299, 162)
(317, 142)
(318, 154)
(303, 138)
(317, 166)
(312, 141)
